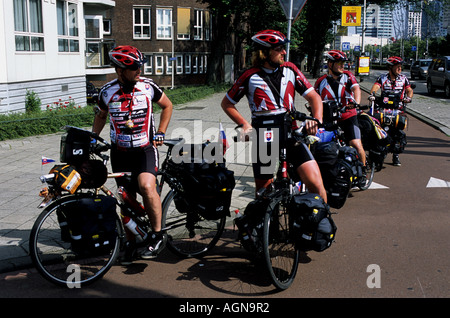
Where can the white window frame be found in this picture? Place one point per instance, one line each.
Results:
(169, 65)
(142, 25)
(164, 27)
(26, 31)
(187, 64)
(195, 64)
(179, 65)
(198, 24)
(68, 28)
(107, 26)
(148, 66)
(159, 64)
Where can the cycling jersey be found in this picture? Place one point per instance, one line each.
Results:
(339, 90)
(262, 98)
(131, 112)
(399, 85)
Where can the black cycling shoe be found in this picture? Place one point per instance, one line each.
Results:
(155, 247)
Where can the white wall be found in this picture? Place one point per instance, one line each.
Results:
(48, 72)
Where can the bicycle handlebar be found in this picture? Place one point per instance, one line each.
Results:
(296, 115)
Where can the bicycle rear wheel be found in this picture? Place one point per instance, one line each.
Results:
(280, 253)
(52, 254)
(189, 234)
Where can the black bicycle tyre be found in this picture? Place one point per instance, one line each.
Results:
(370, 171)
(183, 242)
(281, 254)
(51, 255)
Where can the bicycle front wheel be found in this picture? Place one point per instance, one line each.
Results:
(280, 253)
(189, 234)
(370, 171)
(52, 254)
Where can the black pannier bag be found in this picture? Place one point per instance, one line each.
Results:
(75, 146)
(250, 225)
(311, 223)
(207, 185)
(351, 156)
(91, 223)
(93, 173)
(398, 141)
(337, 183)
(336, 172)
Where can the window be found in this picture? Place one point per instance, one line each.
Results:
(187, 64)
(159, 64)
(183, 23)
(169, 64)
(148, 66)
(107, 27)
(93, 30)
(29, 34)
(179, 64)
(208, 26)
(198, 25)
(195, 64)
(67, 25)
(141, 23)
(164, 23)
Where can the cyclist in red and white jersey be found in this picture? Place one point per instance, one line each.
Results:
(270, 87)
(341, 86)
(129, 101)
(396, 82)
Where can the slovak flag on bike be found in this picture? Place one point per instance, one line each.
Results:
(46, 160)
(223, 138)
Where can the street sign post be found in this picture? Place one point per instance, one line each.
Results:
(291, 9)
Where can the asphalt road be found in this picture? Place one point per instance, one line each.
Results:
(392, 242)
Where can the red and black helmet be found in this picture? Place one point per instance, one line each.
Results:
(336, 56)
(394, 60)
(127, 56)
(270, 38)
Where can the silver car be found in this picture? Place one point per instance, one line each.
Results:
(419, 69)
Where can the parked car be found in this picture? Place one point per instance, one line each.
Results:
(419, 69)
(439, 75)
(91, 93)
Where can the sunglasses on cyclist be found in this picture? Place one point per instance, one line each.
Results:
(280, 48)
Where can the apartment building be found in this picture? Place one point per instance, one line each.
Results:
(53, 47)
(43, 49)
(175, 36)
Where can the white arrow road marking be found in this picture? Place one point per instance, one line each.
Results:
(438, 183)
(375, 185)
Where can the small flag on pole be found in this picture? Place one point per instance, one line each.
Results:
(46, 160)
(223, 137)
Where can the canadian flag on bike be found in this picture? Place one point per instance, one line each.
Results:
(223, 138)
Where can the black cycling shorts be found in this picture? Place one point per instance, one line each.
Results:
(135, 161)
(265, 156)
(351, 129)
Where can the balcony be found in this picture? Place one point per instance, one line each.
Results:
(97, 58)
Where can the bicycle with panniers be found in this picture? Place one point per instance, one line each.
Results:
(79, 234)
(285, 219)
(390, 112)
